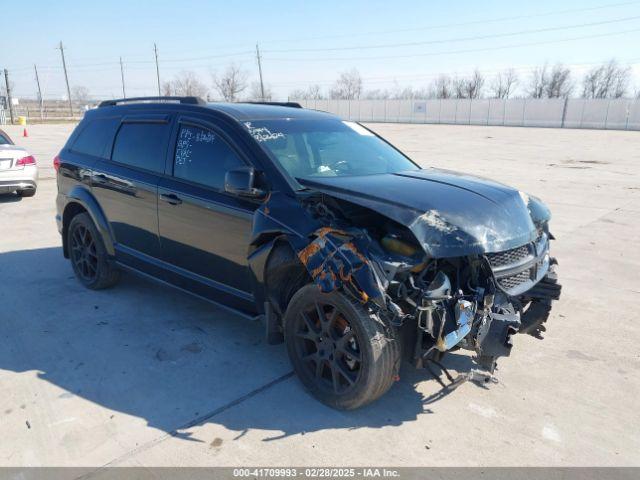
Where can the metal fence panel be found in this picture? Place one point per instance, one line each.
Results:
(619, 114)
(463, 109)
(448, 110)
(594, 113)
(479, 112)
(496, 112)
(573, 114)
(633, 120)
(545, 112)
(433, 111)
(405, 111)
(514, 112)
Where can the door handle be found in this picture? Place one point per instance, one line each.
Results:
(100, 178)
(170, 198)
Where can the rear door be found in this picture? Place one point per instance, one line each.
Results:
(126, 187)
(205, 232)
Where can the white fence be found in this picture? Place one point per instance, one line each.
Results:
(618, 114)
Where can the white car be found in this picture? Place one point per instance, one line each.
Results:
(18, 169)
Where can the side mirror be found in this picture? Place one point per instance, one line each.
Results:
(241, 182)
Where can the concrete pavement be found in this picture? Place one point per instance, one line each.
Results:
(144, 375)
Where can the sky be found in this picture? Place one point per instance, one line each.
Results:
(391, 43)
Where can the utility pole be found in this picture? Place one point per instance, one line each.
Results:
(66, 78)
(40, 100)
(124, 93)
(260, 72)
(155, 50)
(6, 83)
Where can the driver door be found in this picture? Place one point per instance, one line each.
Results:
(205, 232)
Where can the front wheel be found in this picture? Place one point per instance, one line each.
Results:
(344, 355)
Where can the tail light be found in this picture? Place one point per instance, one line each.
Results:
(21, 162)
(56, 163)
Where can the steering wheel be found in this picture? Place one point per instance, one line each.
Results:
(341, 165)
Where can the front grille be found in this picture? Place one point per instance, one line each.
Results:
(515, 280)
(519, 266)
(509, 257)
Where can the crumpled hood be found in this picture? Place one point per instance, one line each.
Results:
(450, 214)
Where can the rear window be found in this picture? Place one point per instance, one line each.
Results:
(96, 136)
(142, 145)
(4, 140)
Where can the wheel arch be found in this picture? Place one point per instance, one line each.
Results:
(80, 200)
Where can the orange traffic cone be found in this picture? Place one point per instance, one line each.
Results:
(25, 133)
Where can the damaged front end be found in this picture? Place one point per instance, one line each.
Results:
(474, 302)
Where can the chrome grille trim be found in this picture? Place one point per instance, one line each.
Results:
(519, 269)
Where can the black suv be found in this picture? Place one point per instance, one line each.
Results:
(354, 256)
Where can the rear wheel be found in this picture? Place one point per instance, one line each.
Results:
(30, 192)
(88, 256)
(344, 355)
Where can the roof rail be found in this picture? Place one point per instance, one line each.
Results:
(278, 104)
(185, 100)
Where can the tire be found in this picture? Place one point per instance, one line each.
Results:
(89, 258)
(26, 193)
(357, 348)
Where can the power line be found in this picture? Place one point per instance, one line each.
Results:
(488, 72)
(459, 39)
(349, 35)
(453, 52)
(460, 24)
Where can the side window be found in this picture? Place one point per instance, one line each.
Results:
(141, 145)
(4, 140)
(96, 136)
(203, 157)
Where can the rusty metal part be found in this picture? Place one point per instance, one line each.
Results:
(334, 260)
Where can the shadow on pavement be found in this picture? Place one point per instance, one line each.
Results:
(152, 352)
(10, 197)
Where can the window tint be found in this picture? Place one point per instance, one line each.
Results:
(96, 137)
(4, 140)
(203, 157)
(141, 145)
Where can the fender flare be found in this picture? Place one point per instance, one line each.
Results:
(82, 196)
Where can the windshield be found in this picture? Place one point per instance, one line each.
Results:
(321, 148)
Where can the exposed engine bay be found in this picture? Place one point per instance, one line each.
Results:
(438, 304)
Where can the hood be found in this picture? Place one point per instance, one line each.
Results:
(450, 214)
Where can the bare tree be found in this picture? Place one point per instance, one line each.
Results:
(348, 86)
(469, 87)
(554, 83)
(376, 94)
(441, 87)
(80, 94)
(231, 83)
(559, 84)
(187, 84)
(538, 82)
(255, 93)
(504, 83)
(314, 92)
(606, 81)
(168, 89)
